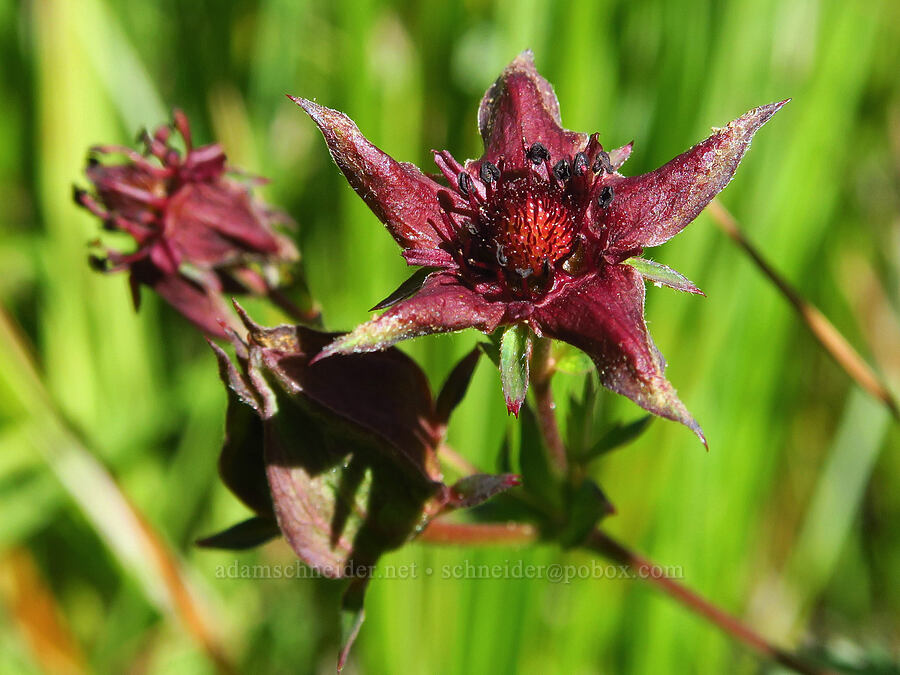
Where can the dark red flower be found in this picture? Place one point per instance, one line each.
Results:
(541, 230)
(198, 232)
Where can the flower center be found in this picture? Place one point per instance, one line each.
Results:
(523, 222)
(528, 227)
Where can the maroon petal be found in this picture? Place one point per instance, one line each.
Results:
(202, 306)
(520, 109)
(604, 316)
(402, 197)
(217, 224)
(650, 209)
(442, 305)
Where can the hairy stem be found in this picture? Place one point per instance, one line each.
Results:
(542, 369)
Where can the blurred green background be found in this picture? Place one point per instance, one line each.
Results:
(791, 519)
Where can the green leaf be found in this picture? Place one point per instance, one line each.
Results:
(581, 419)
(538, 475)
(575, 362)
(619, 435)
(406, 289)
(586, 506)
(352, 616)
(662, 275)
(515, 357)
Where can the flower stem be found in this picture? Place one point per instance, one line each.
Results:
(542, 369)
(601, 543)
(479, 534)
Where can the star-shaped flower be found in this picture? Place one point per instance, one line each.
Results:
(542, 230)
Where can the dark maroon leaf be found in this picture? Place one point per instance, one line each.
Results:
(478, 488)
(342, 451)
(250, 533)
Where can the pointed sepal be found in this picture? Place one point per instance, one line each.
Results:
(480, 487)
(661, 275)
(442, 305)
(403, 198)
(603, 315)
(516, 346)
(652, 208)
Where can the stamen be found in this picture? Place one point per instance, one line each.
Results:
(488, 173)
(606, 197)
(562, 169)
(581, 164)
(537, 153)
(465, 184)
(602, 163)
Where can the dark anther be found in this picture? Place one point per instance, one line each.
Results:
(602, 163)
(465, 183)
(537, 153)
(489, 173)
(606, 197)
(581, 164)
(562, 169)
(78, 195)
(93, 161)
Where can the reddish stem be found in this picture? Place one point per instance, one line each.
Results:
(478, 534)
(542, 368)
(513, 534)
(603, 544)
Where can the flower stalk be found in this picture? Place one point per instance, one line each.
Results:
(542, 369)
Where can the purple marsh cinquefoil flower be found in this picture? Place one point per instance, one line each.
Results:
(198, 232)
(542, 230)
